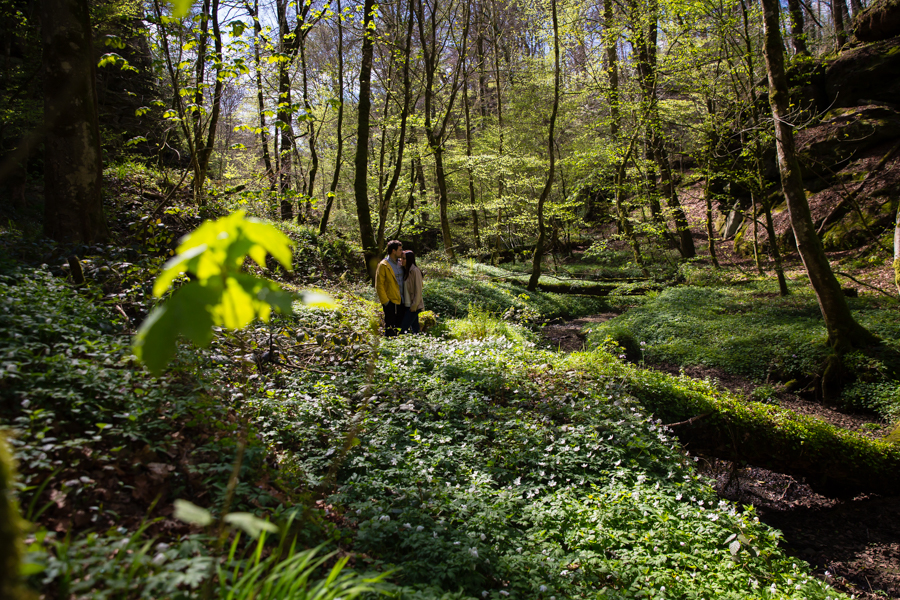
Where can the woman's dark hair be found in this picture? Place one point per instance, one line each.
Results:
(410, 261)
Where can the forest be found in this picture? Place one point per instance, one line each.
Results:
(659, 355)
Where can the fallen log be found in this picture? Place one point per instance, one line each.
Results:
(583, 287)
(833, 461)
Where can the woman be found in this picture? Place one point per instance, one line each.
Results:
(412, 277)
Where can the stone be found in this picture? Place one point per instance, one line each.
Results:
(868, 74)
(880, 21)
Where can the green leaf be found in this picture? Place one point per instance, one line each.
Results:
(250, 524)
(187, 312)
(188, 512)
(319, 300)
(180, 8)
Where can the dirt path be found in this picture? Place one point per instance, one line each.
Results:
(567, 336)
(853, 544)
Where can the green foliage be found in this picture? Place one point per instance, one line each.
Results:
(490, 465)
(480, 285)
(742, 333)
(723, 320)
(118, 564)
(219, 293)
(480, 324)
(11, 528)
(772, 435)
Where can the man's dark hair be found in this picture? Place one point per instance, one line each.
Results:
(393, 245)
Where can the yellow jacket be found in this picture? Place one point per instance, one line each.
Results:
(386, 284)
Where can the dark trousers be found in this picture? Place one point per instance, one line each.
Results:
(393, 318)
(410, 321)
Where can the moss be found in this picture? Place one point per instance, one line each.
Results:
(897, 273)
(11, 527)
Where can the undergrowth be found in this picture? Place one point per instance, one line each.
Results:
(476, 467)
(743, 327)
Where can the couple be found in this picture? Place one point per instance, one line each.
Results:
(398, 284)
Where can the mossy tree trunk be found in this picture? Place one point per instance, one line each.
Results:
(361, 162)
(73, 164)
(11, 526)
(548, 185)
(897, 249)
(335, 177)
(843, 330)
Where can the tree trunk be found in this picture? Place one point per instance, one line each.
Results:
(205, 150)
(612, 65)
(838, 9)
(311, 132)
(545, 193)
(329, 201)
(285, 115)
(260, 101)
(475, 232)
(710, 230)
(798, 37)
(495, 259)
(843, 331)
(775, 252)
(434, 132)
(73, 164)
(361, 162)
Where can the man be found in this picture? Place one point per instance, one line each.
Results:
(389, 286)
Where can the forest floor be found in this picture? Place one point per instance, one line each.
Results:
(854, 543)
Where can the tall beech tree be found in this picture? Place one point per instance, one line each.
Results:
(339, 151)
(551, 151)
(73, 165)
(434, 36)
(843, 330)
(370, 248)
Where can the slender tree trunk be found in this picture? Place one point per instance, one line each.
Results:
(755, 212)
(612, 65)
(685, 239)
(302, 215)
(843, 330)
(551, 151)
(260, 100)
(285, 114)
(501, 183)
(798, 37)
(205, 151)
(361, 162)
(710, 230)
(775, 252)
(73, 163)
(329, 201)
(838, 9)
(404, 118)
(435, 132)
(475, 232)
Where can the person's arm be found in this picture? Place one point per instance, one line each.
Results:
(416, 293)
(379, 284)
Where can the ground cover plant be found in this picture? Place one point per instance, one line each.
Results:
(743, 327)
(479, 467)
(509, 471)
(452, 290)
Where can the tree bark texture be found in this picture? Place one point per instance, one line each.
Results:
(843, 330)
(73, 164)
(361, 161)
(545, 193)
(335, 178)
(798, 37)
